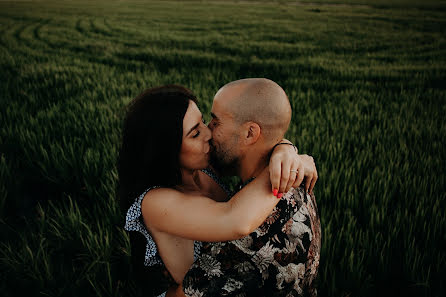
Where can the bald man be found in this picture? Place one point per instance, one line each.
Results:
(281, 257)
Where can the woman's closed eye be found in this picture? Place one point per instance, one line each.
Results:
(196, 134)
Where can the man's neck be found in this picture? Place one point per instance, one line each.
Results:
(252, 164)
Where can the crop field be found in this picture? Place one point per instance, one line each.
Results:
(367, 83)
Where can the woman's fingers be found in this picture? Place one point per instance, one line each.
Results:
(293, 176)
(301, 174)
(275, 171)
(313, 181)
(308, 181)
(289, 171)
(286, 167)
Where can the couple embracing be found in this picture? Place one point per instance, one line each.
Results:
(189, 234)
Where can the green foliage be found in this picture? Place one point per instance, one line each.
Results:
(367, 87)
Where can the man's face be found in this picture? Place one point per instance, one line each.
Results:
(225, 138)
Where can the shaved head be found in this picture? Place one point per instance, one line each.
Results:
(259, 100)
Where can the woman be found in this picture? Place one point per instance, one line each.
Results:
(167, 196)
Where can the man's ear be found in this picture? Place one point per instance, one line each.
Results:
(251, 133)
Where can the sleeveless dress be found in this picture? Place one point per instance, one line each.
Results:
(134, 222)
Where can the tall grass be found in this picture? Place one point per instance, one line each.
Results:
(367, 87)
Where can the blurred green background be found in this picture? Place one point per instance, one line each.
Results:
(367, 84)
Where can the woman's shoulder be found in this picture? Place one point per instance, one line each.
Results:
(157, 195)
(141, 203)
(165, 196)
(157, 190)
(158, 202)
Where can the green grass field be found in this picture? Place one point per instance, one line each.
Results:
(367, 84)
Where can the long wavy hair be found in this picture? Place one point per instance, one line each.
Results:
(149, 156)
(151, 140)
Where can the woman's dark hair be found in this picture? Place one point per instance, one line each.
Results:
(151, 142)
(149, 156)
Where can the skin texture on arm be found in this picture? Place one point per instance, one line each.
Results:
(200, 218)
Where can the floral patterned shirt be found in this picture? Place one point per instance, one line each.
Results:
(280, 258)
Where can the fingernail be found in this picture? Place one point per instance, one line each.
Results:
(275, 191)
(279, 195)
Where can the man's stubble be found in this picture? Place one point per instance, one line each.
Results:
(224, 159)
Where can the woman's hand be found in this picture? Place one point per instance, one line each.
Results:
(288, 169)
(310, 172)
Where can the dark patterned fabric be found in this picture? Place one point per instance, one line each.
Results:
(280, 258)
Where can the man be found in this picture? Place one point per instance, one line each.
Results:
(281, 257)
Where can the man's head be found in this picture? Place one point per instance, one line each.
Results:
(248, 115)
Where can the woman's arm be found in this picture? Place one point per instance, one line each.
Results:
(201, 218)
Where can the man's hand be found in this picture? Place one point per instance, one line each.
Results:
(288, 169)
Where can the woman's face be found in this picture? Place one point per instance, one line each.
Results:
(194, 152)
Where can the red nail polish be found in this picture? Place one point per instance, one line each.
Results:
(275, 191)
(279, 195)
